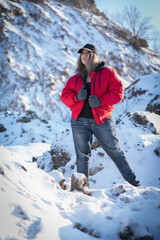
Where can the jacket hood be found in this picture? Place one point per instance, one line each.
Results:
(99, 66)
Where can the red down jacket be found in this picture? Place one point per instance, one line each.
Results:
(105, 84)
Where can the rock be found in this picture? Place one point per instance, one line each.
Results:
(24, 168)
(134, 92)
(79, 182)
(53, 159)
(157, 151)
(154, 105)
(59, 178)
(118, 121)
(95, 144)
(120, 190)
(100, 154)
(2, 128)
(87, 230)
(133, 230)
(140, 118)
(24, 119)
(1, 171)
(82, 4)
(34, 159)
(29, 115)
(95, 170)
(32, 114)
(59, 157)
(138, 42)
(153, 108)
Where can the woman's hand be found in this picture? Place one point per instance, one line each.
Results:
(82, 94)
(94, 101)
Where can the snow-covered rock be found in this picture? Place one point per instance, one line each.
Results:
(78, 181)
(132, 229)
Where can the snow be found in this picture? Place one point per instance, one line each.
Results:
(33, 205)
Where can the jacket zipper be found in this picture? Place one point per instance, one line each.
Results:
(98, 116)
(84, 82)
(95, 108)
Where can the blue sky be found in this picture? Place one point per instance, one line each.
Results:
(146, 7)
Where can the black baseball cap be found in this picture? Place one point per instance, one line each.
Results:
(89, 47)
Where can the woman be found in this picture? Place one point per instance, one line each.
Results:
(91, 94)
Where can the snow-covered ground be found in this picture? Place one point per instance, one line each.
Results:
(34, 206)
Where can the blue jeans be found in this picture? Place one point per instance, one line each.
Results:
(83, 130)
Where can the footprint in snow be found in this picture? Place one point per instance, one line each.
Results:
(34, 229)
(20, 213)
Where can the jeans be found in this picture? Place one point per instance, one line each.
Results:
(83, 130)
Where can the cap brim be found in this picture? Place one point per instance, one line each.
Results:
(80, 50)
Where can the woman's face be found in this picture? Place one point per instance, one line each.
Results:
(85, 56)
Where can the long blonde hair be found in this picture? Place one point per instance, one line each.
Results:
(86, 70)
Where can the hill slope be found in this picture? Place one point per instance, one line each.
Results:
(39, 44)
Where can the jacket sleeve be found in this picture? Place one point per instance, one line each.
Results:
(69, 94)
(115, 91)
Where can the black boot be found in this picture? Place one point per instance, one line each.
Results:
(135, 183)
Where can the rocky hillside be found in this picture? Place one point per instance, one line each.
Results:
(39, 42)
(81, 4)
